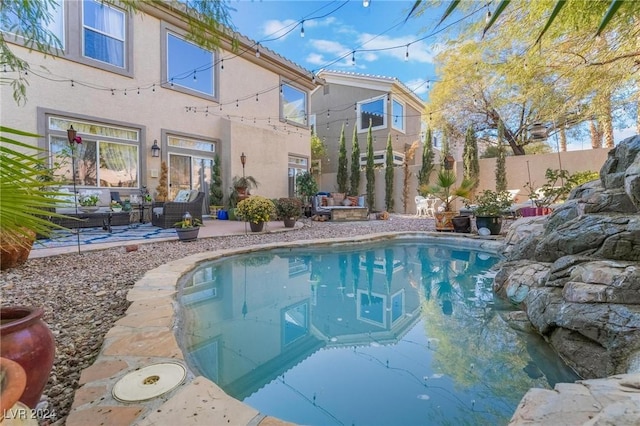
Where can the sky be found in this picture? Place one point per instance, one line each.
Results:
(334, 29)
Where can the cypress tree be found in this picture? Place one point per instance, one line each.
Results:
(342, 164)
(388, 177)
(370, 172)
(427, 161)
(470, 157)
(355, 164)
(501, 172)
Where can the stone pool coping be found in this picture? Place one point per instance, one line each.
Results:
(146, 335)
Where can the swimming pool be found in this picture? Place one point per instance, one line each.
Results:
(392, 332)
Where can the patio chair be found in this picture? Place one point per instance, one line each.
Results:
(316, 208)
(166, 214)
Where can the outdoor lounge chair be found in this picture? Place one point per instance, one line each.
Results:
(166, 214)
(316, 208)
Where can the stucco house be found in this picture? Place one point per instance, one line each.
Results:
(353, 99)
(128, 82)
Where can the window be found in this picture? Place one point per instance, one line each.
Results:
(189, 66)
(397, 112)
(293, 105)
(380, 158)
(103, 33)
(55, 26)
(372, 111)
(297, 165)
(107, 157)
(190, 165)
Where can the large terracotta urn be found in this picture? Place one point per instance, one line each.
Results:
(14, 250)
(444, 221)
(26, 339)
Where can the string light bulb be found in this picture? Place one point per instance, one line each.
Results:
(428, 84)
(488, 16)
(302, 29)
(406, 55)
(366, 3)
(194, 76)
(353, 58)
(258, 50)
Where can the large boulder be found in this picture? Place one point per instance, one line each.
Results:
(576, 273)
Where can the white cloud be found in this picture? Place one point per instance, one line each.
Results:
(328, 46)
(397, 47)
(315, 59)
(274, 28)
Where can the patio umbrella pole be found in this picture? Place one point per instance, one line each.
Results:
(71, 136)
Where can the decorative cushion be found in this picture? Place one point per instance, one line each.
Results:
(346, 202)
(354, 200)
(193, 195)
(338, 197)
(183, 196)
(323, 201)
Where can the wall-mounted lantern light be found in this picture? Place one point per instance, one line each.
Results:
(155, 149)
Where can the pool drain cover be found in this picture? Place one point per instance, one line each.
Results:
(149, 382)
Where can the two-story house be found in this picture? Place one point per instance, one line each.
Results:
(349, 99)
(139, 92)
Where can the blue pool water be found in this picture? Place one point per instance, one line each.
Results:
(388, 333)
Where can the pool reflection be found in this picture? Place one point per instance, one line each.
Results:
(410, 323)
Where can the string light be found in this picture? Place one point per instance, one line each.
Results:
(222, 63)
(72, 85)
(365, 3)
(302, 29)
(428, 84)
(153, 89)
(194, 76)
(258, 50)
(256, 97)
(488, 16)
(406, 55)
(353, 58)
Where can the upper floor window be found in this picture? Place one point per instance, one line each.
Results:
(103, 29)
(293, 105)
(19, 25)
(397, 113)
(374, 112)
(189, 66)
(380, 158)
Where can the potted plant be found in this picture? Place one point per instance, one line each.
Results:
(25, 209)
(306, 187)
(256, 210)
(215, 189)
(490, 206)
(188, 228)
(243, 185)
(88, 201)
(289, 210)
(445, 190)
(115, 206)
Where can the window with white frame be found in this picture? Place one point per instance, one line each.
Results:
(293, 105)
(380, 158)
(109, 156)
(397, 115)
(189, 66)
(103, 33)
(374, 112)
(297, 165)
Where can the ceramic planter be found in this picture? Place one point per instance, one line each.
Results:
(187, 234)
(492, 223)
(26, 339)
(461, 224)
(289, 222)
(256, 227)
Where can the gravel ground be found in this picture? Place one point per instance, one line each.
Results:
(84, 294)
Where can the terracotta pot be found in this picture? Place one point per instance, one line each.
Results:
(443, 221)
(15, 251)
(256, 227)
(26, 339)
(289, 222)
(14, 380)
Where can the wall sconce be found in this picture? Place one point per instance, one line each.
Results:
(155, 149)
(449, 161)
